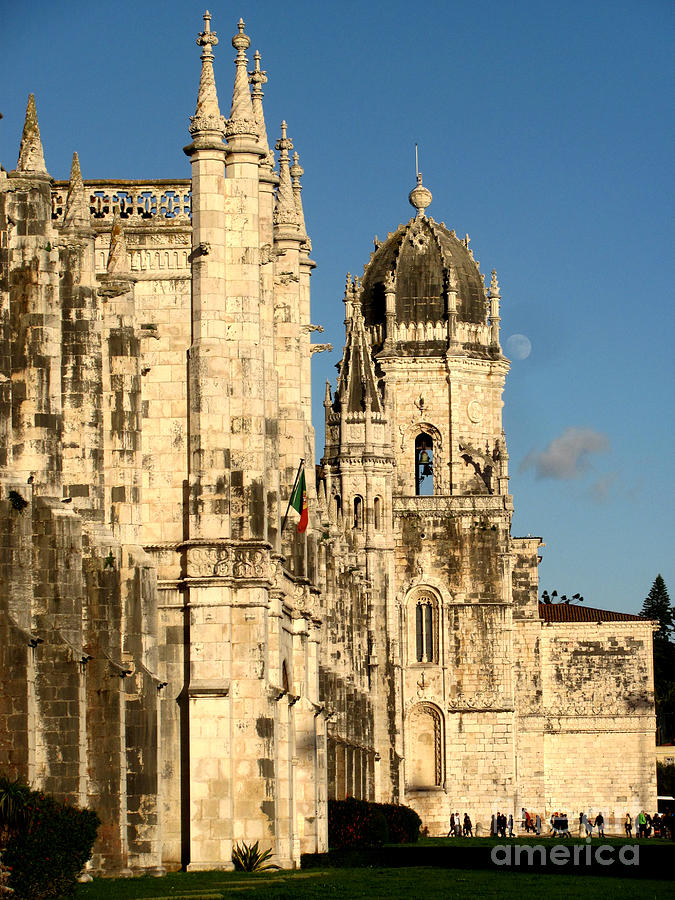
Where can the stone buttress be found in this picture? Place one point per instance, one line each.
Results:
(78, 592)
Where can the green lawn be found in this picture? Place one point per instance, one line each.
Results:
(375, 884)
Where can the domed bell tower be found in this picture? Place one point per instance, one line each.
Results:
(416, 425)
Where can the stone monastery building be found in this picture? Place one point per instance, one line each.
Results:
(172, 658)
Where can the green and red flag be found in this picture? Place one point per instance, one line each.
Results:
(299, 501)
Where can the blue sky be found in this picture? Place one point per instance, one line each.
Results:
(545, 132)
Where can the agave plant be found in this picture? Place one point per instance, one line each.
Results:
(14, 796)
(251, 858)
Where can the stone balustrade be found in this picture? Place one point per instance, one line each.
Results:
(163, 202)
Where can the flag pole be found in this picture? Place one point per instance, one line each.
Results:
(290, 497)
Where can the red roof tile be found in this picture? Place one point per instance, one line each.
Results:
(568, 612)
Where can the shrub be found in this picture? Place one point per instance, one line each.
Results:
(251, 859)
(355, 823)
(403, 823)
(47, 853)
(14, 798)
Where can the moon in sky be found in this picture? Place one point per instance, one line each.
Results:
(518, 346)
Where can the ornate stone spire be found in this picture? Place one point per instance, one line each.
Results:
(285, 211)
(494, 309)
(297, 172)
(357, 382)
(117, 257)
(207, 117)
(349, 301)
(420, 197)
(77, 208)
(242, 119)
(257, 78)
(31, 155)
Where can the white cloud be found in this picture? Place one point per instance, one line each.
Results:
(567, 456)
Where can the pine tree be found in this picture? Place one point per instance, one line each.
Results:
(657, 606)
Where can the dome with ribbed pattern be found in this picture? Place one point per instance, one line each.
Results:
(425, 260)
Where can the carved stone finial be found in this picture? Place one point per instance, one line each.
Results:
(297, 172)
(207, 117)
(117, 256)
(285, 210)
(420, 197)
(77, 209)
(494, 285)
(31, 154)
(242, 119)
(256, 79)
(207, 38)
(241, 41)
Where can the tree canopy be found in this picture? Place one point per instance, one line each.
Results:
(657, 606)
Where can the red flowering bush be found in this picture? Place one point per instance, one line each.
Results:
(403, 823)
(355, 823)
(358, 823)
(49, 849)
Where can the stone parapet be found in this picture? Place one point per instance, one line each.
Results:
(162, 201)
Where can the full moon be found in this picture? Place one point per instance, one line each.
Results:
(518, 346)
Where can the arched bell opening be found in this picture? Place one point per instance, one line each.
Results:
(424, 465)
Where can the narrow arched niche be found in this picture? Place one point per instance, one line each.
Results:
(424, 741)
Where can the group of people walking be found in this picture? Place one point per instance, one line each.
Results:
(503, 826)
(646, 825)
(460, 828)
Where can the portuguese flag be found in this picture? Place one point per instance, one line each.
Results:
(299, 501)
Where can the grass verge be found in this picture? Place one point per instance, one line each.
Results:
(374, 884)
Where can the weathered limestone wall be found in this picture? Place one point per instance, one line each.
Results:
(598, 692)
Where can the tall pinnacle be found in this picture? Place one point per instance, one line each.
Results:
(207, 115)
(257, 78)
(77, 209)
(242, 119)
(285, 210)
(31, 155)
(297, 172)
(494, 285)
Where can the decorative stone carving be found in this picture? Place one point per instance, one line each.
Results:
(474, 410)
(418, 236)
(480, 701)
(228, 561)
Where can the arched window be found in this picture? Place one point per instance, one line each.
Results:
(337, 500)
(284, 677)
(377, 508)
(358, 512)
(424, 465)
(425, 630)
